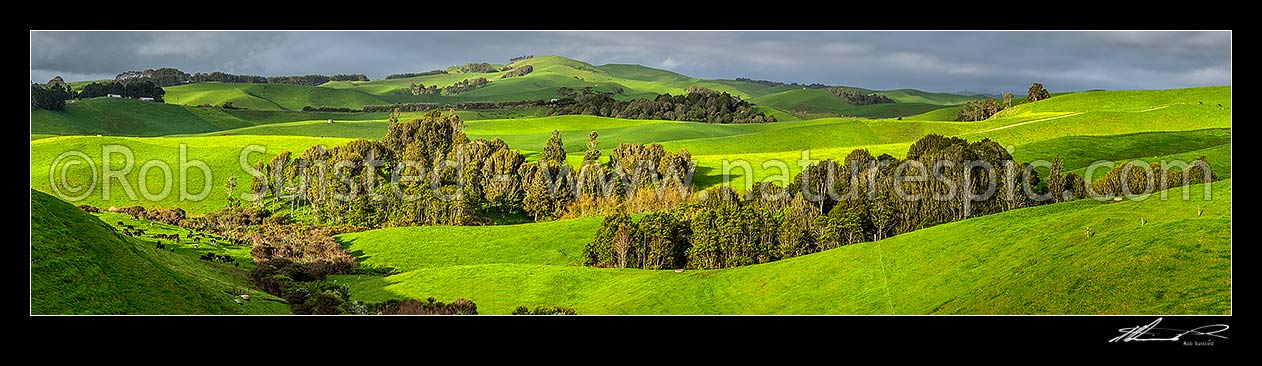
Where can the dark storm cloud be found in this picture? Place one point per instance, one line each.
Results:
(937, 61)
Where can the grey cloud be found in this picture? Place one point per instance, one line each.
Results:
(936, 61)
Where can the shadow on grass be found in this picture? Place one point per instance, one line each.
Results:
(705, 176)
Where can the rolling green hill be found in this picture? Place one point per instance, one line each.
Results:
(1030, 261)
(80, 265)
(550, 73)
(129, 117)
(1109, 135)
(270, 103)
(268, 96)
(1080, 151)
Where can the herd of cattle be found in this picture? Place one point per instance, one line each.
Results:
(194, 236)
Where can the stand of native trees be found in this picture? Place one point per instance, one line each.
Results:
(698, 104)
(859, 199)
(458, 181)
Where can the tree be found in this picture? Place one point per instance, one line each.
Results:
(100, 89)
(1075, 188)
(599, 252)
(706, 250)
(50, 97)
(554, 151)
(593, 153)
(1199, 172)
(622, 245)
(230, 186)
(977, 110)
(565, 93)
(143, 89)
(501, 185)
(56, 80)
(658, 237)
(1056, 182)
(796, 233)
(548, 188)
(1007, 100)
(1037, 93)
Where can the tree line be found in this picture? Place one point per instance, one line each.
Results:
(415, 74)
(465, 85)
(519, 58)
(858, 199)
(480, 67)
(777, 83)
(53, 96)
(979, 110)
(699, 105)
(307, 108)
(520, 71)
(854, 97)
(425, 107)
(128, 89)
(418, 89)
(167, 76)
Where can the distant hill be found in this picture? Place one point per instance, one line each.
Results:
(549, 73)
(969, 93)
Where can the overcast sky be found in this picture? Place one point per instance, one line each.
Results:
(989, 62)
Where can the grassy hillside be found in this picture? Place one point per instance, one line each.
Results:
(268, 96)
(129, 117)
(1134, 101)
(1030, 261)
(940, 114)
(549, 243)
(1219, 158)
(220, 153)
(80, 265)
(1080, 151)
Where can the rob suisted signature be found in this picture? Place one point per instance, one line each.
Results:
(1151, 333)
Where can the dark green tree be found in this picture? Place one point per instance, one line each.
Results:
(50, 97)
(554, 151)
(1037, 93)
(593, 152)
(1055, 180)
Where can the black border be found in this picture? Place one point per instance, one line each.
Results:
(849, 15)
(772, 334)
(1073, 334)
